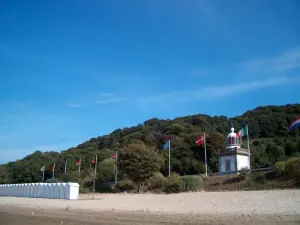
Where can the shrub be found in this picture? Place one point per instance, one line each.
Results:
(292, 168)
(103, 186)
(157, 182)
(174, 184)
(244, 172)
(192, 183)
(259, 178)
(125, 185)
(280, 167)
(84, 190)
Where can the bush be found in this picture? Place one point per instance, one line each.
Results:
(244, 172)
(259, 178)
(289, 168)
(103, 186)
(292, 168)
(157, 182)
(174, 184)
(84, 190)
(192, 183)
(125, 185)
(280, 167)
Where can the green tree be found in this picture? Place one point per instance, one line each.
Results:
(139, 162)
(4, 175)
(290, 148)
(215, 145)
(107, 169)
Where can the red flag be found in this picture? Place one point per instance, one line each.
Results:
(78, 162)
(200, 141)
(113, 156)
(93, 161)
(53, 167)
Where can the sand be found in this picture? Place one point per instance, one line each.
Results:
(251, 207)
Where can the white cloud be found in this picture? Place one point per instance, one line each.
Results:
(285, 61)
(260, 67)
(213, 92)
(110, 100)
(102, 98)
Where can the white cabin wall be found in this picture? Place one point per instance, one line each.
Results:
(242, 162)
(41, 190)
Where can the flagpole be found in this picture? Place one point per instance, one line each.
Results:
(116, 168)
(53, 171)
(205, 154)
(79, 166)
(169, 157)
(66, 167)
(96, 166)
(94, 184)
(248, 149)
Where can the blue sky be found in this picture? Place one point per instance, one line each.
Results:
(73, 70)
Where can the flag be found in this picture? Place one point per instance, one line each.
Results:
(53, 167)
(93, 161)
(43, 168)
(295, 124)
(200, 141)
(243, 132)
(114, 156)
(77, 162)
(166, 145)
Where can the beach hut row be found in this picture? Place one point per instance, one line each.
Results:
(41, 190)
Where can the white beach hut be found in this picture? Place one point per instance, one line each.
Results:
(26, 190)
(9, 189)
(39, 190)
(47, 190)
(73, 191)
(62, 191)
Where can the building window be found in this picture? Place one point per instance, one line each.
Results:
(227, 165)
(232, 140)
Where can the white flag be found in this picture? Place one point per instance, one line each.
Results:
(43, 168)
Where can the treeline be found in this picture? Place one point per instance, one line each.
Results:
(270, 141)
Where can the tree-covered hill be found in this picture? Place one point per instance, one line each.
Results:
(270, 141)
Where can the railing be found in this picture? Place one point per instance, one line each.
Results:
(252, 170)
(263, 169)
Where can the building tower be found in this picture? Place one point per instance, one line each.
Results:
(234, 158)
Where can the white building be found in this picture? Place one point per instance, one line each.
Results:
(234, 158)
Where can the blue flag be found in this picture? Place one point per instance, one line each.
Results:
(166, 145)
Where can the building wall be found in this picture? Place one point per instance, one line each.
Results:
(242, 162)
(41, 190)
(223, 161)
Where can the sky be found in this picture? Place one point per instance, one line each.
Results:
(71, 70)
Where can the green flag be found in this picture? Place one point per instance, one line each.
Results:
(244, 131)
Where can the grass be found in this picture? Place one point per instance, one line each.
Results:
(254, 181)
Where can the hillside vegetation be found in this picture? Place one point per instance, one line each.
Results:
(270, 142)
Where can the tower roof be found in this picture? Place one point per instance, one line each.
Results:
(232, 139)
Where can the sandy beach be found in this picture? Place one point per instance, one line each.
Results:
(250, 207)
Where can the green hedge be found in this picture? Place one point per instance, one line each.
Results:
(289, 168)
(192, 183)
(125, 185)
(156, 183)
(292, 168)
(174, 184)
